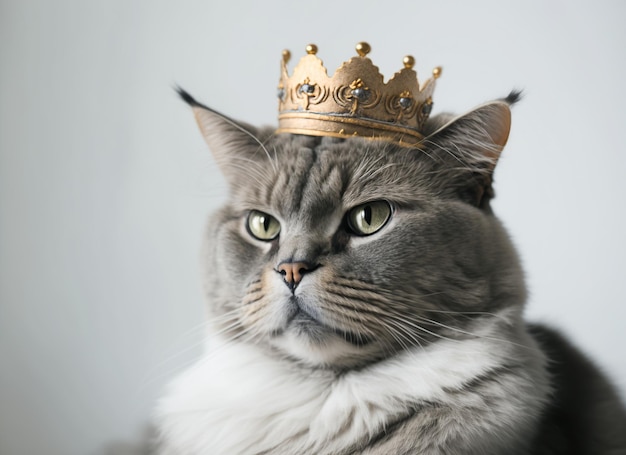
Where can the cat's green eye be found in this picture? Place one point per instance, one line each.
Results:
(263, 226)
(366, 219)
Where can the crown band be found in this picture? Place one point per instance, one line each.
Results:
(340, 125)
(355, 101)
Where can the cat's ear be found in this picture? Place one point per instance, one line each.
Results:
(233, 144)
(471, 145)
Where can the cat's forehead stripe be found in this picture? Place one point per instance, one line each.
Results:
(324, 178)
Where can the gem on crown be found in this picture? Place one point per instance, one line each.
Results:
(355, 101)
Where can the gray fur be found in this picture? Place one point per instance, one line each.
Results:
(445, 267)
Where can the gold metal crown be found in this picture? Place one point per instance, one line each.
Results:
(355, 101)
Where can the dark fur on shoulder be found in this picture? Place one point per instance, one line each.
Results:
(584, 415)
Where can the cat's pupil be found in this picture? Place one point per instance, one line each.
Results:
(367, 214)
(266, 223)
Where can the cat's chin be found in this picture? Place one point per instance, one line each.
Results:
(317, 345)
(315, 349)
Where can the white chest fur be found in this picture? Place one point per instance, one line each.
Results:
(238, 400)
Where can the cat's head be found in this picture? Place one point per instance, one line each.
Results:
(338, 252)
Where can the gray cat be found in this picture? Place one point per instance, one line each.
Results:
(364, 299)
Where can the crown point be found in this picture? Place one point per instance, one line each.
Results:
(286, 56)
(408, 61)
(437, 72)
(363, 49)
(311, 49)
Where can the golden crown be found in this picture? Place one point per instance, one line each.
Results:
(355, 101)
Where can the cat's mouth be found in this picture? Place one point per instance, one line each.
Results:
(303, 323)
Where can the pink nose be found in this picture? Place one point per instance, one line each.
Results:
(293, 272)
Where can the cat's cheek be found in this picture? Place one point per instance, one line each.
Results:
(238, 256)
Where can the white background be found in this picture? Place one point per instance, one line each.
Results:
(105, 182)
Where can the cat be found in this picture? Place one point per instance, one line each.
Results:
(364, 299)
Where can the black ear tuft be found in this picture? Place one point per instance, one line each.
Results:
(513, 97)
(187, 98)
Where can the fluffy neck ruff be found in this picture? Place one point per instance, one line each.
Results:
(238, 399)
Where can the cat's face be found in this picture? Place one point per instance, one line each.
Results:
(339, 252)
